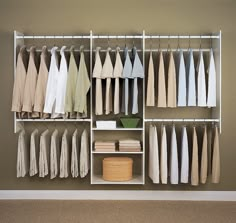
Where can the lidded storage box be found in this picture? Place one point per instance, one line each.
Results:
(117, 168)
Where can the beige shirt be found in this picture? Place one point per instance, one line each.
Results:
(30, 83)
(161, 91)
(194, 168)
(19, 82)
(171, 92)
(216, 158)
(150, 100)
(41, 86)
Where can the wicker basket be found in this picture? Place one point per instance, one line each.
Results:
(117, 168)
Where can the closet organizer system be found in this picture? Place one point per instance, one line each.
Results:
(137, 96)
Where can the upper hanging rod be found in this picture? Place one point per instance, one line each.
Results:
(53, 37)
(182, 120)
(182, 37)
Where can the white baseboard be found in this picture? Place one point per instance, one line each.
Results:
(117, 195)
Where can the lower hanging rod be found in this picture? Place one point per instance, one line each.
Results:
(181, 120)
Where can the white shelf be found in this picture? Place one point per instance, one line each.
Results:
(137, 179)
(53, 120)
(119, 129)
(117, 152)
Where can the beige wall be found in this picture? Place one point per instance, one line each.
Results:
(72, 17)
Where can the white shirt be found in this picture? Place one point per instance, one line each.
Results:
(163, 166)
(43, 154)
(84, 154)
(174, 168)
(21, 166)
(191, 80)
(33, 154)
(54, 153)
(74, 155)
(184, 157)
(64, 158)
(52, 83)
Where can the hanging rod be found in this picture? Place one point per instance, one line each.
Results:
(121, 50)
(117, 37)
(182, 37)
(181, 120)
(58, 50)
(53, 37)
(172, 49)
(53, 120)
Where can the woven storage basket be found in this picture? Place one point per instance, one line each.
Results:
(117, 168)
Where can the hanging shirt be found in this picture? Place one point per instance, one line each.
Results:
(61, 84)
(64, 158)
(182, 81)
(153, 155)
(184, 156)
(150, 100)
(19, 82)
(211, 96)
(51, 89)
(171, 90)
(33, 170)
(194, 166)
(204, 158)
(174, 168)
(54, 154)
(22, 161)
(163, 166)
(74, 155)
(82, 86)
(216, 158)
(201, 80)
(43, 154)
(117, 74)
(30, 84)
(137, 72)
(127, 71)
(107, 73)
(84, 154)
(191, 80)
(40, 91)
(161, 90)
(71, 84)
(97, 73)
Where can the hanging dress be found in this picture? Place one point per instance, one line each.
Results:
(84, 154)
(54, 154)
(33, 170)
(126, 75)
(82, 87)
(211, 96)
(216, 158)
(61, 84)
(51, 90)
(117, 74)
(153, 155)
(204, 158)
(171, 89)
(107, 73)
(161, 90)
(182, 81)
(71, 85)
(201, 80)
(30, 84)
(194, 166)
(164, 166)
(184, 157)
(150, 99)
(191, 96)
(40, 91)
(137, 72)
(19, 82)
(174, 168)
(97, 73)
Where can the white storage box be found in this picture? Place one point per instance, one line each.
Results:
(106, 124)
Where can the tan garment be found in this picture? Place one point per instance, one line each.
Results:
(161, 91)
(41, 86)
(19, 82)
(171, 92)
(30, 84)
(194, 168)
(204, 158)
(150, 101)
(216, 158)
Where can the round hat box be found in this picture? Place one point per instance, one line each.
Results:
(117, 168)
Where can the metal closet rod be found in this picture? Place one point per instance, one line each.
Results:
(119, 37)
(182, 120)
